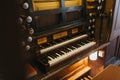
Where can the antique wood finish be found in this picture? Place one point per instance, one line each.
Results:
(56, 21)
(61, 9)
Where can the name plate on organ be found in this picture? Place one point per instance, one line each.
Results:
(90, 7)
(90, 0)
(42, 40)
(71, 3)
(60, 35)
(74, 30)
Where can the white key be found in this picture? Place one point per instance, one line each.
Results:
(90, 77)
(86, 78)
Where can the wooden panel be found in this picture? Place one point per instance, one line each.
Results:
(54, 4)
(79, 72)
(71, 3)
(67, 72)
(109, 6)
(91, 0)
(90, 7)
(60, 35)
(45, 5)
(73, 15)
(105, 30)
(47, 20)
(42, 40)
(74, 30)
(96, 66)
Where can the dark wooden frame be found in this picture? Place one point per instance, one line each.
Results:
(61, 10)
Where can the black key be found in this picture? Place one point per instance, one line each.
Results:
(75, 45)
(83, 42)
(46, 45)
(72, 47)
(69, 46)
(59, 52)
(54, 42)
(63, 52)
(58, 41)
(79, 45)
(64, 49)
(49, 44)
(86, 41)
(64, 39)
(89, 40)
(54, 55)
(69, 49)
(41, 47)
(51, 55)
(49, 59)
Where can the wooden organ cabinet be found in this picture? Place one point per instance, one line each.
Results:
(65, 39)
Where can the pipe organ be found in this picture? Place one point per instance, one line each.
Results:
(59, 35)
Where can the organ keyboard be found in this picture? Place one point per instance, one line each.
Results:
(58, 31)
(60, 52)
(68, 52)
(63, 43)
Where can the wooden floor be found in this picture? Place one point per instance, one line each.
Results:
(112, 72)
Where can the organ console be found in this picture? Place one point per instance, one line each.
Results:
(59, 35)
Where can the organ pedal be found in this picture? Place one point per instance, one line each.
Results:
(89, 77)
(85, 78)
(79, 73)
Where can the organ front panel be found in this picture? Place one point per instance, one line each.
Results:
(59, 35)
